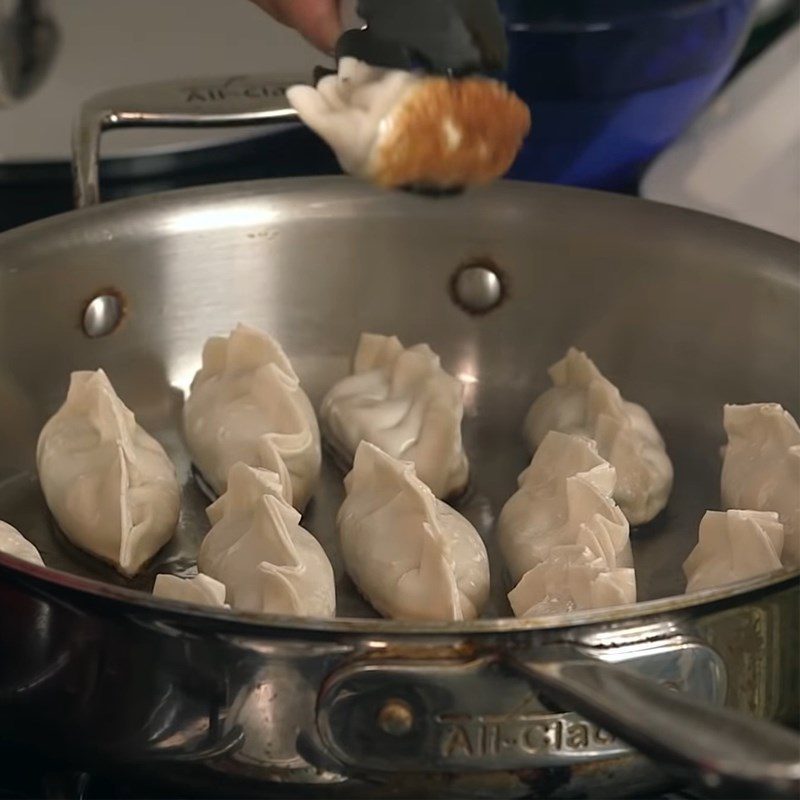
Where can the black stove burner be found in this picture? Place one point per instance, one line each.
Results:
(25, 775)
(28, 775)
(31, 192)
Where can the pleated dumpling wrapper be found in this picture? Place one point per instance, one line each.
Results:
(565, 541)
(402, 401)
(584, 402)
(246, 404)
(572, 578)
(401, 129)
(410, 555)
(734, 546)
(200, 590)
(109, 484)
(761, 468)
(566, 492)
(268, 563)
(15, 544)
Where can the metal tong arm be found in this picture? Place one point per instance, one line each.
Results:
(216, 102)
(726, 749)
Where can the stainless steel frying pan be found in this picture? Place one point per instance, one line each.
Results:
(684, 312)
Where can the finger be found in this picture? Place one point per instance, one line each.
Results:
(317, 20)
(272, 7)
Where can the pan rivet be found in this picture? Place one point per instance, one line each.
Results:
(102, 315)
(396, 718)
(477, 287)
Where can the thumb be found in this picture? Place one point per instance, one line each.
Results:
(318, 20)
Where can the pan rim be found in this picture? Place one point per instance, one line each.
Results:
(358, 189)
(41, 578)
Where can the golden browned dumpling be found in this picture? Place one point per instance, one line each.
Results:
(401, 129)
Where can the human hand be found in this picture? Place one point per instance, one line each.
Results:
(318, 20)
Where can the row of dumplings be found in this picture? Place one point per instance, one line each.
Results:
(599, 466)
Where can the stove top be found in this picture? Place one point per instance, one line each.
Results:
(27, 776)
(28, 193)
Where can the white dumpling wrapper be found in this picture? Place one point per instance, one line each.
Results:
(582, 401)
(761, 468)
(734, 546)
(110, 485)
(412, 556)
(402, 401)
(201, 590)
(15, 544)
(565, 496)
(246, 405)
(348, 109)
(572, 578)
(268, 563)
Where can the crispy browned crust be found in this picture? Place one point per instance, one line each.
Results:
(415, 147)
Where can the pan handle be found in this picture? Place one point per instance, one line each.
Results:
(729, 752)
(496, 713)
(237, 100)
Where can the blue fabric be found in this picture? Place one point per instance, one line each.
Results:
(611, 84)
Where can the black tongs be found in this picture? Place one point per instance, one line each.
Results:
(440, 37)
(454, 38)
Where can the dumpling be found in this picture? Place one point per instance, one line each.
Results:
(246, 404)
(15, 544)
(109, 484)
(564, 497)
(410, 555)
(564, 540)
(761, 468)
(584, 402)
(200, 590)
(232, 514)
(401, 129)
(406, 404)
(257, 549)
(734, 546)
(572, 578)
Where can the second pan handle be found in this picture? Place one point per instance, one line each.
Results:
(496, 713)
(730, 752)
(237, 100)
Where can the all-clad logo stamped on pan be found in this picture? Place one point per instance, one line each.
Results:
(477, 716)
(238, 87)
(466, 737)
